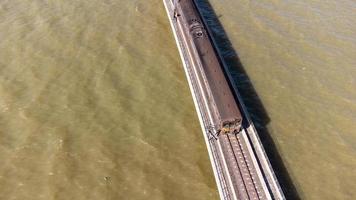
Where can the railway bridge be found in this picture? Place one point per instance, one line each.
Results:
(240, 165)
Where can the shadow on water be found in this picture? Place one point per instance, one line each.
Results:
(248, 93)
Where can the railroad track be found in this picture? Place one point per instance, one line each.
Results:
(240, 167)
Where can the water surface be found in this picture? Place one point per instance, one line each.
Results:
(94, 104)
(300, 58)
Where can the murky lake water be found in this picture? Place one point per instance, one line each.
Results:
(94, 103)
(301, 59)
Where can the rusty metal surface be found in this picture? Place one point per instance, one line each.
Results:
(217, 94)
(240, 172)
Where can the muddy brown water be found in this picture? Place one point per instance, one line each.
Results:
(94, 103)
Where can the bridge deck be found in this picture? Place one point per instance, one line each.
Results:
(241, 167)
